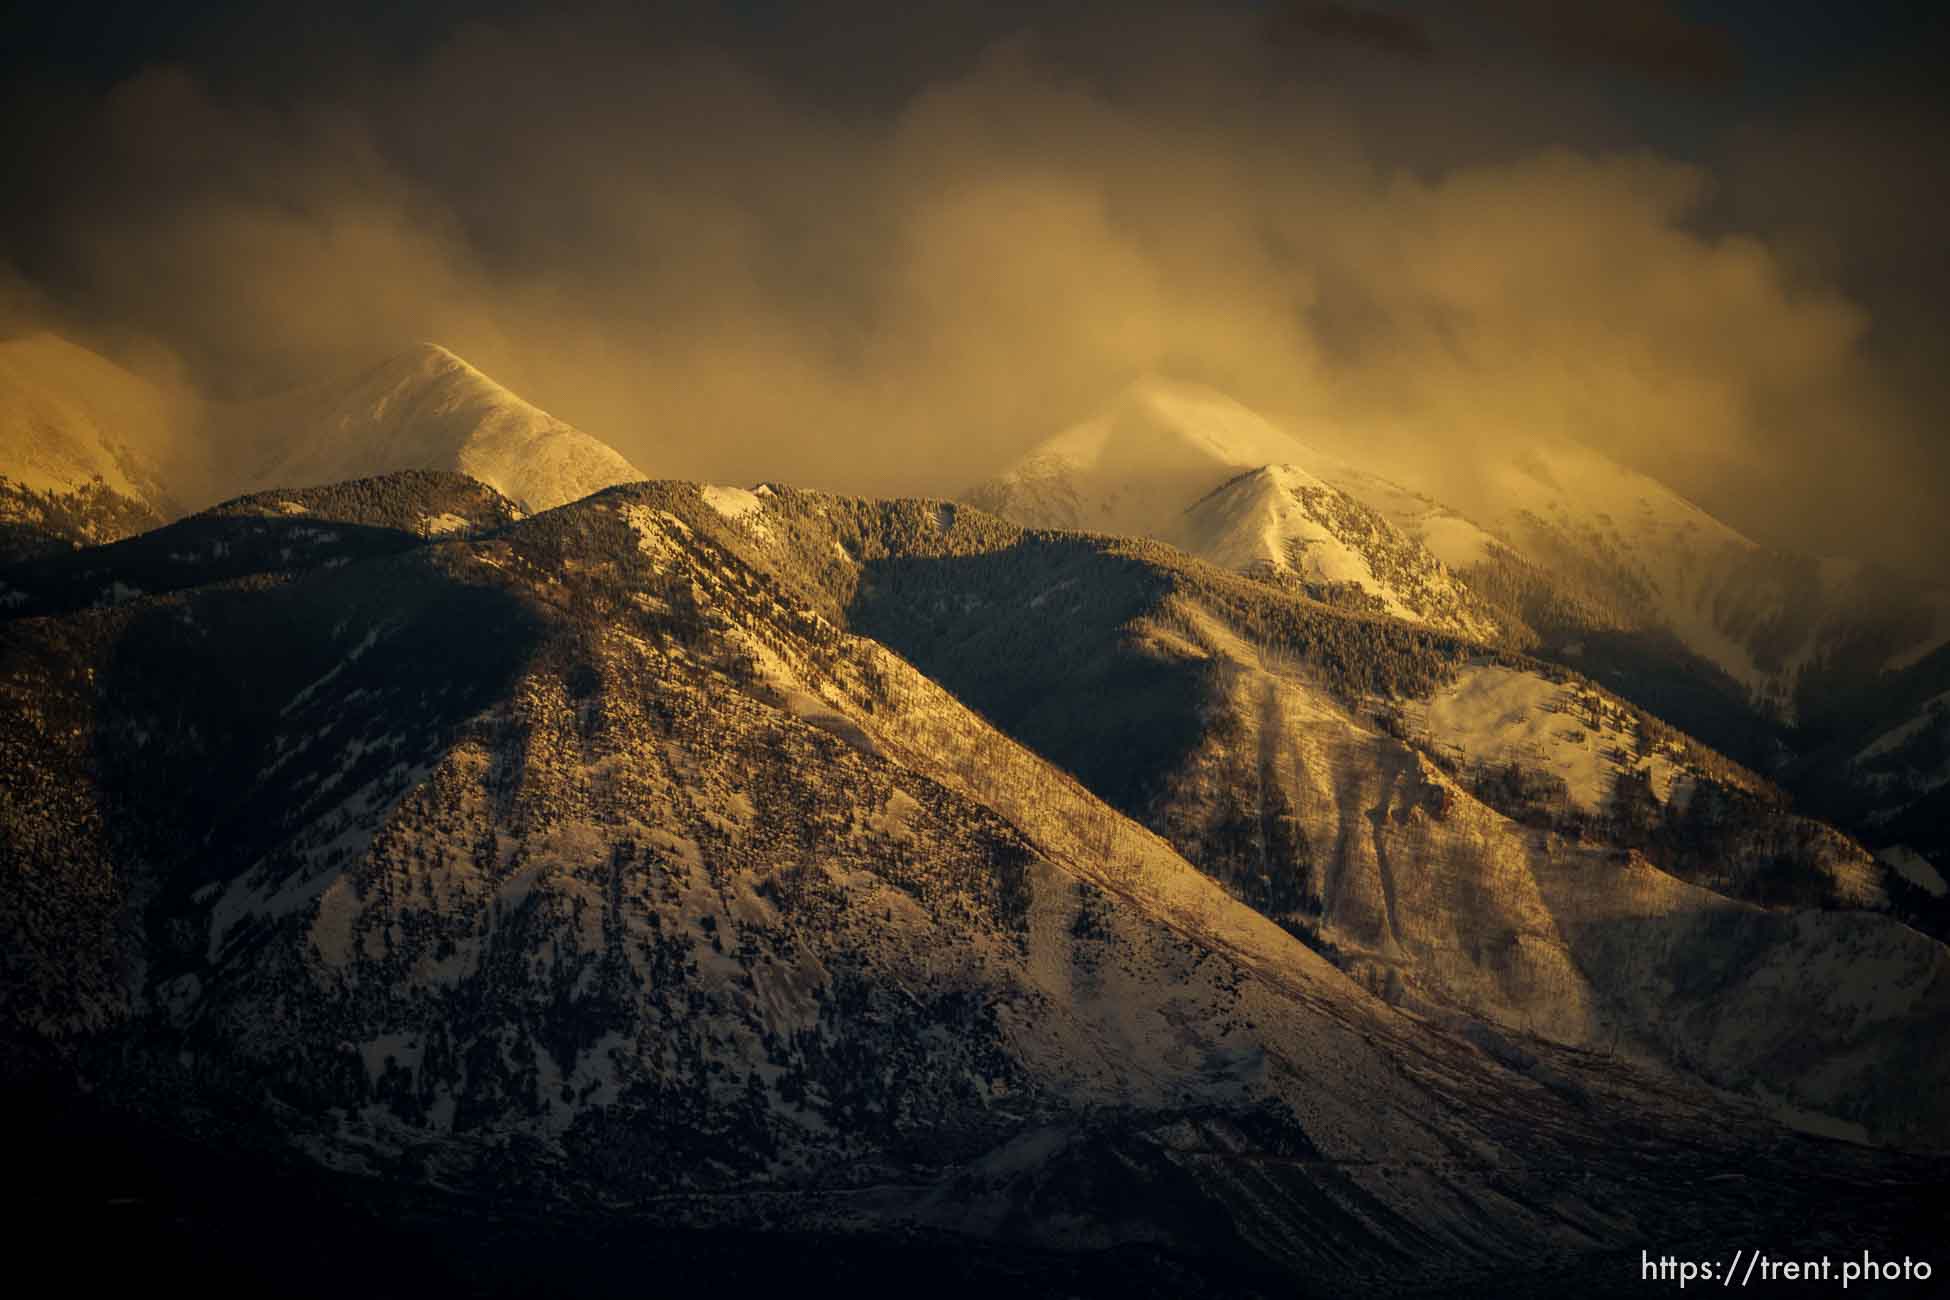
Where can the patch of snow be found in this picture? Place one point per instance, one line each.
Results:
(1284, 519)
(1913, 867)
(366, 643)
(731, 502)
(1492, 716)
(1939, 635)
(1816, 1124)
(339, 906)
(892, 822)
(1898, 736)
(1454, 540)
(443, 525)
(649, 525)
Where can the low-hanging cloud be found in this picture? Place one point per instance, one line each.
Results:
(728, 274)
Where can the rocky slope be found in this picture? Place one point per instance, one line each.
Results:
(1794, 664)
(282, 532)
(600, 863)
(1884, 767)
(1469, 834)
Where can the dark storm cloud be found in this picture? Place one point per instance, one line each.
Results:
(1852, 185)
(1644, 38)
(1305, 21)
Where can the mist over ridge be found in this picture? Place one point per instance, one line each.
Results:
(730, 266)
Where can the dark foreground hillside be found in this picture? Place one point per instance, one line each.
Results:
(582, 903)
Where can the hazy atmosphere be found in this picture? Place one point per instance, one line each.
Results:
(1246, 651)
(849, 249)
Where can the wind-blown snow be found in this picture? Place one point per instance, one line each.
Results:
(1133, 469)
(1190, 466)
(69, 416)
(1162, 420)
(1610, 534)
(426, 409)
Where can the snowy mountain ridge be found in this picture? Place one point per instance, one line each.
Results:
(1615, 539)
(1284, 523)
(647, 855)
(1189, 466)
(91, 452)
(425, 409)
(85, 447)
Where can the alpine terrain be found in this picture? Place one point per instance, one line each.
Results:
(83, 448)
(91, 453)
(1815, 671)
(547, 889)
(425, 409)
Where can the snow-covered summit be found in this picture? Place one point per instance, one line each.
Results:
(1284, 522)
(1132, 468)
(86, 448)
(426, 409)
(69, 416)
(1188, 465)
(1135, 465)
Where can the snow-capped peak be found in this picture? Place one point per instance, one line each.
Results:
(1188, 465)
(426, 408)
(69, 416)
(1284, 522)
(1134, 466)
(1159, 423)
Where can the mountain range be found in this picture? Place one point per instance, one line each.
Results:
(94, 453)
(1798, 666)
(1189, 865)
